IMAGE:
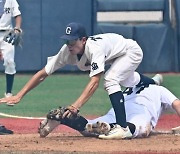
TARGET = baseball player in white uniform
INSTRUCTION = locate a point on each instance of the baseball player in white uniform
(92, 54)
(143, 106)
(8, 9)
(143, 109)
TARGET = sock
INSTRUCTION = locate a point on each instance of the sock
(78, 123)
(117, 101)
(9, 82)
(132, 127)
(144, 80)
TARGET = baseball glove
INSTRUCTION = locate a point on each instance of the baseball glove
(57, 114)
(55, 117)
(14, 37)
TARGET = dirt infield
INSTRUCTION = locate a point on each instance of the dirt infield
(65, 140)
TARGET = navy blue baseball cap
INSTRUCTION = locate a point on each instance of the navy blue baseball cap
(74, 31)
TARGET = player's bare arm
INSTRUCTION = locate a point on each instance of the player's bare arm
(1, 55)
(32, 83)
(18, 21)
(176, 106)
(86, 94)
(88, 91)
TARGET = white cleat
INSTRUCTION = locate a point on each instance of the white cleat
(158, 78)
(47, 126)
(117, 133)
(7, 95)
(98, 127)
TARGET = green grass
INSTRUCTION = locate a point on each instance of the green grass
(64, 89)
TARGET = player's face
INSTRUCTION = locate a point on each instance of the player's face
(76, 46)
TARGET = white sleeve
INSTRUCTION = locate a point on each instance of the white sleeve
(166, 96)
(97, 62)
(55, 62)
(15, 8)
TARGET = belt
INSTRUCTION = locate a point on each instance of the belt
(3, 30)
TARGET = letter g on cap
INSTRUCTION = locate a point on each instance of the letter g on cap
(68, 30)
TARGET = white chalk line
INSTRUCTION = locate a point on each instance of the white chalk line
(19, 117)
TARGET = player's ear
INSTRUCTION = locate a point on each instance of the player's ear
(84, 40)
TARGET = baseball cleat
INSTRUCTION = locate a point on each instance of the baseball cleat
(47, 126)
(7, 95)
(98, 127)
(5, 131)
(117, 132)
(158, 79)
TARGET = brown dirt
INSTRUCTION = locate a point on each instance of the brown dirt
(65, 140)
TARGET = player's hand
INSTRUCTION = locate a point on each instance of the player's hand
(10, 101)
(14, 36)
(70, 112)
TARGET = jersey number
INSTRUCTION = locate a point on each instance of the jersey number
(129, 91)
(95, 38)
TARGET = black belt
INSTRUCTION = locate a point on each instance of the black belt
(3, 30)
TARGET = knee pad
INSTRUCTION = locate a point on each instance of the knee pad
(9, 66)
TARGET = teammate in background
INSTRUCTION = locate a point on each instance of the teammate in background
(8, 9)
(143, 106)
(92, 53)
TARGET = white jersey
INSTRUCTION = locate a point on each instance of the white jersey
(154, 98)
(11, 9)
(99, 50)
(143, 107)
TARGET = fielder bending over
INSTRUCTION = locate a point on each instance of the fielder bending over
(92, 54)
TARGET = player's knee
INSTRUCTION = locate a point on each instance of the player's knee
(9, 66)
(111, 84)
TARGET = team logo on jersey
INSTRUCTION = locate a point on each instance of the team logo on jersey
(7, 10)
(94, 66)
(68, 30)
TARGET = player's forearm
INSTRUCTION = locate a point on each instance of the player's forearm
(32, 83)
(1, 56)
(18, 21)
(88, 92)
(176, 106)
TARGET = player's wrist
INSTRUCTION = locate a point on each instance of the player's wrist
(19, 96)
(75, 108)
(18, 29)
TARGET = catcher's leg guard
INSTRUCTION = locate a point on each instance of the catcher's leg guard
(47, 126)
